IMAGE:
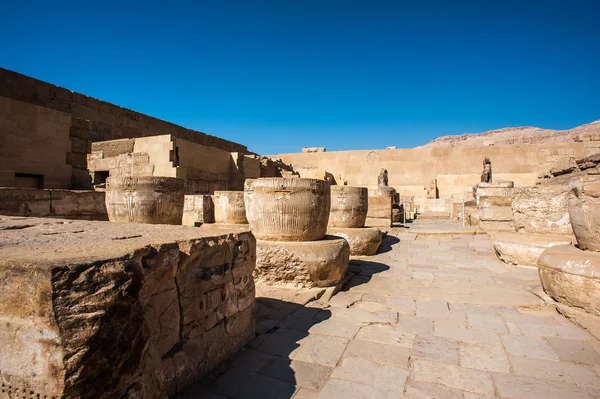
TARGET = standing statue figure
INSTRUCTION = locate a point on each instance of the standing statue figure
(382, 180)
(486, 175)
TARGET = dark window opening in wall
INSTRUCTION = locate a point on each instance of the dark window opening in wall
(29, 180)
(174, 156)
(100, 176)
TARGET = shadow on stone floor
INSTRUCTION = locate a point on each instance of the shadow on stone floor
(263, 369)
(387, 243)
(362, 271)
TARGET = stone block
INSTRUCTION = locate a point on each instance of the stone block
(117, 309)
(584, 210)
(525, 249)
(363, 241)
(488, 202)
(198, 209)
(542, 210)
(302, 264)
(572, 276)
(380, 204)
(496, 213)
(24, 202)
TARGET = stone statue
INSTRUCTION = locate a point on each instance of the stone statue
(432, 191)
(382, 180)
(486, 175)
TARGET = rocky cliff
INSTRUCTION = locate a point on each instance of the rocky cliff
(520, 135)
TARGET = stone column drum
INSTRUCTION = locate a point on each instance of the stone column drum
(145, 199)
(229, 207)
(289, 216)
(287, 209)
(349, 208)
(571, 275)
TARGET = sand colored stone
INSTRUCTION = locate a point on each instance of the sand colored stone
(229, 207)
(308, 264)
(363, 241)
(542, 210)
(349, 206)
(572, 276)
(584, 209)
(105, 309)
(525, 249)
(287, 209)
(145, 199)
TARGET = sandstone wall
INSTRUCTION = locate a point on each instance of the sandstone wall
(119, 309)
(68, 204)
(35, 143)
(455, 168)
(205, 169)
(91, 120)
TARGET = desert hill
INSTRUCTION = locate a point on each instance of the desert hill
(520, 135)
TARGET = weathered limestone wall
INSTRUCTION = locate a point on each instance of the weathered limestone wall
(68, 204)
(90, 120)
(205, 169)
(455, 168)
(119, 309)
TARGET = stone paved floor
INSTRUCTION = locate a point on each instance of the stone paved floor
(427, 318)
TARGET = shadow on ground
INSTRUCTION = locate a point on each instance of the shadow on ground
(263, 369)
(362, 272)
(387, 243)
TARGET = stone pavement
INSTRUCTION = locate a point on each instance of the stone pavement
(438, 317)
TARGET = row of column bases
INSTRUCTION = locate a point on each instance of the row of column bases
(306, 230)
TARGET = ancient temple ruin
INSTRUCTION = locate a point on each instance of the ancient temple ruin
(141, 259)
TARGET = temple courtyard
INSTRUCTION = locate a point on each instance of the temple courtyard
(433, 315)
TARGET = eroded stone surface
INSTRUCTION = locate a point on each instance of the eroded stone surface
(349, 206)
(572, 276)
(363, 241)
(93, 309)
(525, 249)
(229, 207)
(542, 210)
(145, 199)
(302, 264)
(287, 209)
(584, 209)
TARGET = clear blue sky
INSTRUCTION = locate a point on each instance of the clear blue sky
(279, 75)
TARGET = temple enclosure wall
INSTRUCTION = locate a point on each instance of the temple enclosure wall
(47, 132)
(456, 168)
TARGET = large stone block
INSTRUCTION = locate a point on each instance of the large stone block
(308, 264)
(363, 241)
(572, 276)
(380, 204)
(496, 213)
(119, 309)
(542, 210)
(584, 209)
(525, 249)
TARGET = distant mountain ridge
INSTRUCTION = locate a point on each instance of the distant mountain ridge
(520, 135)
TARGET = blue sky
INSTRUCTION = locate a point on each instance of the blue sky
(279, 75)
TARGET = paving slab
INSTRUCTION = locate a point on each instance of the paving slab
(379, 353)
(378, 375)
(453, 376)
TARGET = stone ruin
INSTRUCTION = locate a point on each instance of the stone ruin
(349, 207)
(288, 217)
(103, 309)
(140, 308)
